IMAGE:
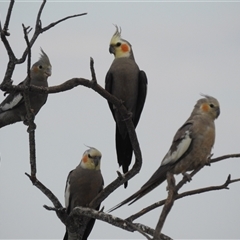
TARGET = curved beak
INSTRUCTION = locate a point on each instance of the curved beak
(96, 161)
(48, 72)
(217, 112)
(112, 49)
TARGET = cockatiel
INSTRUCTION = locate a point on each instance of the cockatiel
(83, 185)
(12, 109)
(125, 81)
(190, 149)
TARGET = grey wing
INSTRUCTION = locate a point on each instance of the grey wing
(108, 87)
(67, 192)
(180, 145)
(142, 93)
(13, 100)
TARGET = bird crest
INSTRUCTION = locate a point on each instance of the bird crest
(42, 66)
(92, 151)
(120, 47)
(44, 57)
(117, 35)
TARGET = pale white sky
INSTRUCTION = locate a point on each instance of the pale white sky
(185, 49)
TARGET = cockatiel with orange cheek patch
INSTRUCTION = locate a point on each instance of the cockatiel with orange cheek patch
(190, 149)
(125, 81)
(83, 185)
(12, 109)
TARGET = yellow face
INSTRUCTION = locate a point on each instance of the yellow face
(91, 159)
(211, 107)
(119, 47)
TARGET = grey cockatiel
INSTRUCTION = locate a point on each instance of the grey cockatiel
(83, 185)
(125, 81)
(190, 149)
(12, 109)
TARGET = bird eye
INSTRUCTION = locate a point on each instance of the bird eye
(89, 156)
(211, 105)
(40, 67)
(118, 44)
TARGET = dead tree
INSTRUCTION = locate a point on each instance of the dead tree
(77, 218)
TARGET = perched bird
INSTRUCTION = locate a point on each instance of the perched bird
(83, 185)
(12, 109)
(125, 81)
(190, 149)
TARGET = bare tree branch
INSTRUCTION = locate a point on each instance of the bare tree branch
(181, 195)
(9, 13)
(151, 231)
(77, 219)
(213, 160)
(38, 24)
(61, 20)
(167, 206)
(30, 114)
(38, 30)
(113, 220)
(61, 213)
(4, 32)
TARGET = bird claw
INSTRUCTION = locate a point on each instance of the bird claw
(32, 128)
(101, 210)
(188, 176)
(62, 210)
(120, 175)
(208, 162)
(5, 32)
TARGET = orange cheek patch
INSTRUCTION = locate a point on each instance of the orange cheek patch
(85, 159)
(125, 47)
(35, 69)
(205, 107)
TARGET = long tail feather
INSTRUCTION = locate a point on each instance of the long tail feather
(124, 151)
(157, 178)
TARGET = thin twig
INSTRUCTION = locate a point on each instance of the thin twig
(47, 192)
(94, 79)
(38, 19)
(214, 160)
(61, 20)
(7, 21)
(11, 56)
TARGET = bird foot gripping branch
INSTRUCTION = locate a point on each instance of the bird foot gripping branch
(187, 176)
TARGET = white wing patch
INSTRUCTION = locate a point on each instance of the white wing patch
(172, 157)
(67, 193)
(13, 103)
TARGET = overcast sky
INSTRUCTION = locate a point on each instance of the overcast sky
(185, 48)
